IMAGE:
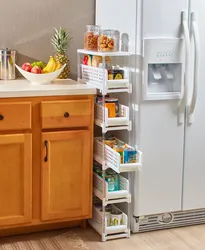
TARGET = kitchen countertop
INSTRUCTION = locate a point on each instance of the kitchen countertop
(23, 88)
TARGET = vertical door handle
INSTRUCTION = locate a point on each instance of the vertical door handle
(183, 102)
(46, 146)
(195, 33)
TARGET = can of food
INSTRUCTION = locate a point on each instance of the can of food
(120, 150)
(111, 183)
(130, 155)
(107, 215)
(115, 74)
(116, 218)
(111, 109)
(117, 183)
(116, 102)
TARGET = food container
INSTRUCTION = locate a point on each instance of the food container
(108, 211)
(116, 218)
(7, 64)
(107, 41)
(111, 110)
(116, 102)
(91, 37)
(111, 183)
(115, 74)
(130, 155)
(119, 150)
(97, 61)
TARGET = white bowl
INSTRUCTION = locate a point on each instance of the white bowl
(40, 78)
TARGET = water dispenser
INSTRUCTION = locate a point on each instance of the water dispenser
(163, 69)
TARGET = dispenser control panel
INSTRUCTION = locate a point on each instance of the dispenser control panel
(163, 68)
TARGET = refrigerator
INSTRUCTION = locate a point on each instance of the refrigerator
(166, 39)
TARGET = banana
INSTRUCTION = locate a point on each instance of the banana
(51, 66)
(57, 66)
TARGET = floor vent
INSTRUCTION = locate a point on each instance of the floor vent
(169, 220)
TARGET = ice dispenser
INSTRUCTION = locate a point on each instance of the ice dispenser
(163, 69)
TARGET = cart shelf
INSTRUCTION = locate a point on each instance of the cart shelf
(122, 195)
(111, 232)
(112, 158)
(118, 123)
(99, 78)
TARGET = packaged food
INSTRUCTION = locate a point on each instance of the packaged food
(115, 74)
(120, 150)
(116, 102)
(117, 183)
(111, 109)
(111, 183)
(97, 61)
(91, 37)
(106, 41)
(87, 60)
(116, 218)
(130, 155)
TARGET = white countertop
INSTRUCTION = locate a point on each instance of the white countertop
(23, 88)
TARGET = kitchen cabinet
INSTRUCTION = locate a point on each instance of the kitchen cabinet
(46, 150)
(15, 178)
(66, 174)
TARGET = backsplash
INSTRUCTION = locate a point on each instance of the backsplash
(27, 26)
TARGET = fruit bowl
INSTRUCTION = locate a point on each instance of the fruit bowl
(40, 78)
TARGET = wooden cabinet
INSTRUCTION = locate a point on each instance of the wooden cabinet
(66, 174)
(46, 148)
(15, 179)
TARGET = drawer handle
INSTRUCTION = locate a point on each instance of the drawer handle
(46, 145)
(66, 114)
(1, 117)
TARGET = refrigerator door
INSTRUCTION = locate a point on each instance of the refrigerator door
(194, 166)
(158, 188)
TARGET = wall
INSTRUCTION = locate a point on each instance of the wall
(27, 26)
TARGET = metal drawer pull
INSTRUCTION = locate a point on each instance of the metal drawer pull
(46, 145)
(66, 114)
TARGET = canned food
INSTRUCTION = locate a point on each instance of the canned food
(111, 183)
(116, 218)
(107, 216)
(130, 155)
(117, 183)
(120, 150)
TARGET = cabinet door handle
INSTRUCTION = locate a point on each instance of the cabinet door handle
(1, 117)
(66, 114)
(46, 145)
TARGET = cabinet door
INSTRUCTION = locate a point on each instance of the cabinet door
(15, 179)
(66, 175)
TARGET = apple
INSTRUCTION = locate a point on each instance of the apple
(27, 67)
(36, 70)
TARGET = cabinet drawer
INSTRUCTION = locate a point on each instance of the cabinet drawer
(15, 116)
(66, 114)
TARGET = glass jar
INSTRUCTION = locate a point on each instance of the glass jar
(107, 41)
(91, 37)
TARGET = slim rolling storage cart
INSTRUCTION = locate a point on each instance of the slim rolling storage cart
(104, 154)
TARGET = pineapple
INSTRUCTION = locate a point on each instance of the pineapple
(61, 42)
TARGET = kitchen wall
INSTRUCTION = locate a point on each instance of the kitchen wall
(27, 26)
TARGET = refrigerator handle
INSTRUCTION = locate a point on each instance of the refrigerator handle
(195, 34)
(183, 102)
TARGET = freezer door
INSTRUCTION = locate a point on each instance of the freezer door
(194, 167)
(158, 187)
